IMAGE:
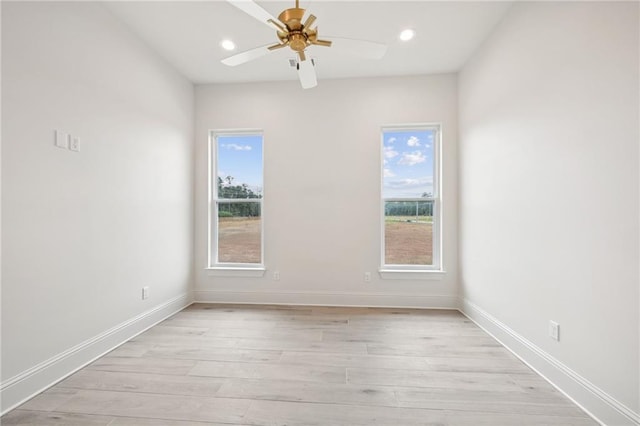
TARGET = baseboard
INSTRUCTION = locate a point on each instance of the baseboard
(597, 403)
(375, 300)
(29, 383)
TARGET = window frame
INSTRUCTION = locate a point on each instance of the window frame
(415, 271)
(214, 201)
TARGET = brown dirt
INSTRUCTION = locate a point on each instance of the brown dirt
(408, 243)
(239, 240)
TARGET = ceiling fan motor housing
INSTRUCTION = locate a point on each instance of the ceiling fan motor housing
(297, 42)
(292, 18)
(296, 38)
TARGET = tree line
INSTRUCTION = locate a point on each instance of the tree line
(410, 208)
(227, 190)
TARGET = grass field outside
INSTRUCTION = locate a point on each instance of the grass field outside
(419, 219)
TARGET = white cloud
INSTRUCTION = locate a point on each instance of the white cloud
(410, 183)
(412, 158)
(413, 141)
(389, 152)
(388, 173)
(407, 187)
(391, 140)
(429, 142)
(236, 147)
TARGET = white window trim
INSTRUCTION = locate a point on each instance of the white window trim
(235, 271)
(405, 274)
(214, 267)
(416, 272)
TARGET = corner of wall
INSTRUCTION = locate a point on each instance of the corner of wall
(20, 388)
(594, 401)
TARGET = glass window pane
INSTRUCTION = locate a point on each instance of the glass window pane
(408, 233)
(239, 232)
(408, 163)
(239, 166)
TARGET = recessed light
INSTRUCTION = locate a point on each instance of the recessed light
(407, 35)
(227, 44)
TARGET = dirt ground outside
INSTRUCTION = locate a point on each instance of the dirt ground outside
(407, 242)
(240, 240)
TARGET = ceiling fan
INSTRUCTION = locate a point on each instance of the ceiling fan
(298, 35)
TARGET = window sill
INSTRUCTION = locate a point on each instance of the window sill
(231, 271)
(408, 274)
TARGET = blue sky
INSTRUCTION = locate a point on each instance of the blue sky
(240, 156)
(407, 163)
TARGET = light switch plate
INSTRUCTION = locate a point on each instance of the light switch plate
(62, 140)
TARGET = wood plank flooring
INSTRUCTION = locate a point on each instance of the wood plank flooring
(276, 365)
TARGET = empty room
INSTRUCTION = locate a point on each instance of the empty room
(316, 212)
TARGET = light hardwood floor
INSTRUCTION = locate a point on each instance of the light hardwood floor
(276, 365)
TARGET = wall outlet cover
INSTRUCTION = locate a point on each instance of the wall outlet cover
(74, 143)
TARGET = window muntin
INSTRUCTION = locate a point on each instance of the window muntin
(236, 199)
(410, 197)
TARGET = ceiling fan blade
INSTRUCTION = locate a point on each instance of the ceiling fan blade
(247, 55)
(364, 48)
(253, 9)
(307, 74)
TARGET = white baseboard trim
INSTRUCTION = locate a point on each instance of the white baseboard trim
(597, 403)
(376, 300)
(22, 387)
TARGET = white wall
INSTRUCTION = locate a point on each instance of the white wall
(549, 195)
(83, 232)
(322, 187)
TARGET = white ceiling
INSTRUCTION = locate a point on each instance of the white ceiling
(188, 34)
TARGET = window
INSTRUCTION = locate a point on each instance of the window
(410, 198)
(235, 210)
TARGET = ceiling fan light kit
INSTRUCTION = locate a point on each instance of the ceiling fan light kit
(296, 33)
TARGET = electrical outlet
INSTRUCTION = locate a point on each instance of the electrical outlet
(145, 293)
(276, 275)
(554, 330)
(367, 277)
(74, 143)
